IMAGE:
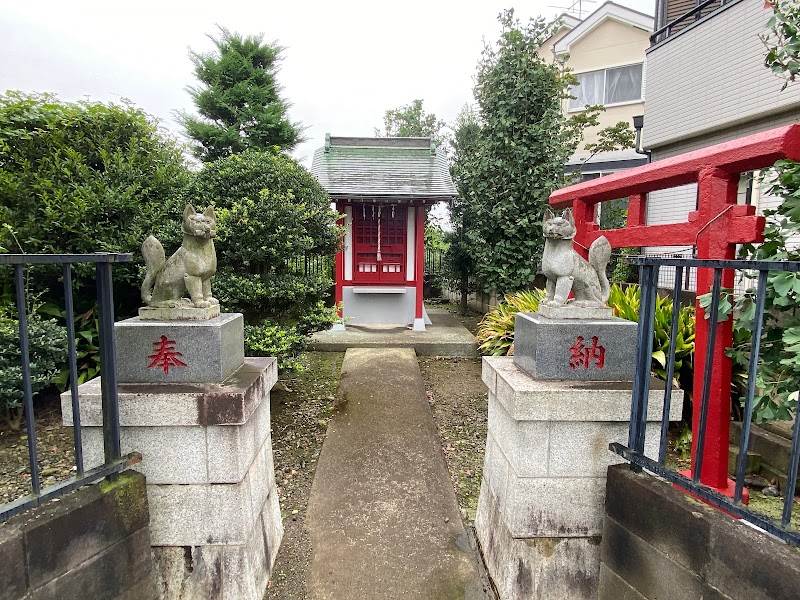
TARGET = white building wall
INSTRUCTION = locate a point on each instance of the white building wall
(711, 76)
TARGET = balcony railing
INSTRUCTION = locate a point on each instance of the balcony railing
(695, 14)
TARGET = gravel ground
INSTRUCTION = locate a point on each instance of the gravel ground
(54, 447)
(458, 400)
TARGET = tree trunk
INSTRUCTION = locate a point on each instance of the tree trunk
(464, 296)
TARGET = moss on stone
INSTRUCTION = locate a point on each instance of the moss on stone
(130, 496)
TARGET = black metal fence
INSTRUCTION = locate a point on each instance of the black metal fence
(114, 461)
(314, 266)
(433, 261)
(634, 451)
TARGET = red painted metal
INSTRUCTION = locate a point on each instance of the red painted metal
(419, 248)
(714, 229)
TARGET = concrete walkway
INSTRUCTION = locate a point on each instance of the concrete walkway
(445, 336)
(383, 516)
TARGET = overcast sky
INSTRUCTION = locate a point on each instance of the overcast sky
(345, 63)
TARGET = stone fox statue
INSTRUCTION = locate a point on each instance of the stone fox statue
(566, 270)
(188, 270)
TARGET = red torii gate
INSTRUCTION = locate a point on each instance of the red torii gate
(714, 229)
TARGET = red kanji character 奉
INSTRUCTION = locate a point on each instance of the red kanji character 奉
(582, 356)
(165, 355)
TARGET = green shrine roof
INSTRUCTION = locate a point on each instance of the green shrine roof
(363, 167)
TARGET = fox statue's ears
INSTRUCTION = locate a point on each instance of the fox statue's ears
(548, 214)
(567, 214)
(209, 213)
(188, 211)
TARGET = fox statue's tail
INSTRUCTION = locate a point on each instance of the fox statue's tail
(154, 258)
(599, 255)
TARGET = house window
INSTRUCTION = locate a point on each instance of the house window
(607, 86)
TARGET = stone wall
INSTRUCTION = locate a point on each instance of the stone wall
(92, 543)
(660, 543)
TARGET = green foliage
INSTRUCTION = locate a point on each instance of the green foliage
(613, 137)
(284, 341)
(48, 351)
(496, 329)
(83, 177)
(518, 159)
(626, 302)
(411, 120)
(683, 445)
(87, 346)
(270, 210)
(783, 41)
(435, 237)
(269, 339)
(459, 262)
(239, 102)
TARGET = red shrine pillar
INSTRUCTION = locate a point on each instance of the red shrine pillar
(419, 269)
(716, 193)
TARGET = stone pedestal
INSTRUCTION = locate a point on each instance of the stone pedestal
(576, 349)
(215, 523)
(540, 510)
(191, 351)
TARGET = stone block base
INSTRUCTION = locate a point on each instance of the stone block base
(575, 349)
(206, 449)
(541, 567)
(540, 511)
(189, 351)
(570, 311)
(225, 570)
(179, 313)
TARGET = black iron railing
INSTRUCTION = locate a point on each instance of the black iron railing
(314, 266)
(114, 461)
(433, 261)
(695, 14)
(634, 451)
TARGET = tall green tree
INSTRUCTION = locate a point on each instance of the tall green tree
(411, 120)
(239, 101)
(460, 263)
(524, 142)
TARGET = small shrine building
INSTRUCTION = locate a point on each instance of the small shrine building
(383, 187)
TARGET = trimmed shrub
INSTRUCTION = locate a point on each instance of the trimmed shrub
(83, 177)
(270, 211)
(48, 352)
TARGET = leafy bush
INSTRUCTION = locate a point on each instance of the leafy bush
(778, 369)
(48, 352)
(496, 329)
(626, 302)
(270, 210)
(83, 177)
(270, 339)
(284, 341)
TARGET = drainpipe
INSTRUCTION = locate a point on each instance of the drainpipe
(638, 124)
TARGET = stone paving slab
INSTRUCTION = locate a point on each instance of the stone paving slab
(383, 515)
(445, 336)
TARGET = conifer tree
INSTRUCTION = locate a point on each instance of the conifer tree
(239, 101)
